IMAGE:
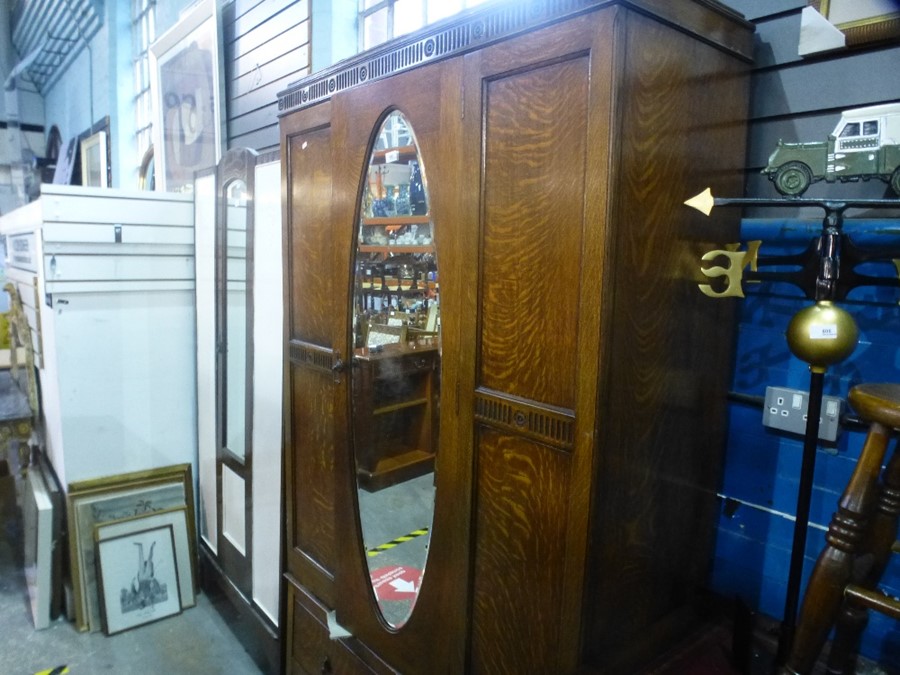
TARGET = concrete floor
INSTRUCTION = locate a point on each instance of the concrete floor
(196, 641)
(392, 517)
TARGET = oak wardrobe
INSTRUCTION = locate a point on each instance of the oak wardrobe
(505, 395)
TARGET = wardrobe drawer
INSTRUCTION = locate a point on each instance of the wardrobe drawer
(310, 649)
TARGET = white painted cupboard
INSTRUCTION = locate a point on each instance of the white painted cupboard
(107, 279)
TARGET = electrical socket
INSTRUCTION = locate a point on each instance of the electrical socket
(785, 409)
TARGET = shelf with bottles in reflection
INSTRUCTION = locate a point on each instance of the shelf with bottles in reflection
(395, 215)
(396, 269)
(396, 317)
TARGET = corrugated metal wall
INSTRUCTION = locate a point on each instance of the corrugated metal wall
(266, 48)
(800, 99)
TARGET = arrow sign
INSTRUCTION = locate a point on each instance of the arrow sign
(396, 582)
(403, 586)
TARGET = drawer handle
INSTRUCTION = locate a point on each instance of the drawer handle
(421, 363)
(326, 666)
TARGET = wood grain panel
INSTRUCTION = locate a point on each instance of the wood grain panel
(535, 131)
(682, 108)
(309, 395)
(310, 250)
(520, 530)
(312, 432)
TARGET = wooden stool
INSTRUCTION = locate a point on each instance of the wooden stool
(842, 587)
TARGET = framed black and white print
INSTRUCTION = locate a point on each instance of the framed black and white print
(178, 519)
(138, 577)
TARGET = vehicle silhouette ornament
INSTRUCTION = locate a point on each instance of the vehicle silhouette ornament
(864, 145)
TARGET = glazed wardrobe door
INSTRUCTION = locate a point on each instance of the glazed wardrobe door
(399, 211)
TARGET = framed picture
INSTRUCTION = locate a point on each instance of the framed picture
(66, 163)
(37, 521)
(176, 519)
(42, 467)
(93, 161)
(138, 578)
(185, 84)
(116, 498)
(862, 21)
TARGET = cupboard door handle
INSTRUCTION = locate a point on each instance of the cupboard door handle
(339, 366)
(326, 666)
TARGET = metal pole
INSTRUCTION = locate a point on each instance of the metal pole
(801, 524)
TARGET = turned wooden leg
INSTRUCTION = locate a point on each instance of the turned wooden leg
(872, 561)
(834, 568)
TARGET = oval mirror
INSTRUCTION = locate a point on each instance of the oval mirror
(234, 432)
(396, 370)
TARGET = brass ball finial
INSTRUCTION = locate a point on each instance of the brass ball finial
(822, 334)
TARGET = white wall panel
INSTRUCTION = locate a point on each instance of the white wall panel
(267, 387)
(205, 265)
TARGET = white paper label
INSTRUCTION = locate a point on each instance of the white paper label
(823, 331)
(391, 156)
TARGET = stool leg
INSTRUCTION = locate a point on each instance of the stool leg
(873, 560)
(834, 567)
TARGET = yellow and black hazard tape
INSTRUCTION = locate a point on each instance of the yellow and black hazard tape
(372, 552)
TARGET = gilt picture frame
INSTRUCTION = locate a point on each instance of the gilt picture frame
(861, 21)
(94, 167)
(186, 89)
(112, 498)
(138, 578)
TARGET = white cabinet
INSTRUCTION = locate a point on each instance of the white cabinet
(107, 279)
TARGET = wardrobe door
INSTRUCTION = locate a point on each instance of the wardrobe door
(310, 290)
(429, 636)
(542, 106)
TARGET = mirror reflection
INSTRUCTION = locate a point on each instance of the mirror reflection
(396, 374)
(235, 317)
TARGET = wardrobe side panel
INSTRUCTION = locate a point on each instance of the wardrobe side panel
(661, 413)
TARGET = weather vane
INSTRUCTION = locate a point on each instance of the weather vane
(821, 335)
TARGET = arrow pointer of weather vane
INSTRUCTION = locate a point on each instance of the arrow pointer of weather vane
(820, 335)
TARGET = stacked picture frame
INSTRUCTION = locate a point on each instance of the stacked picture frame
(43, 510)
(132, 548)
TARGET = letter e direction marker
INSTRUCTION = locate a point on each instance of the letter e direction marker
(826, 270)
(733, 273)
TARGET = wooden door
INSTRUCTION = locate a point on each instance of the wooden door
(543, 105)
(310, 287)
(433, 638)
